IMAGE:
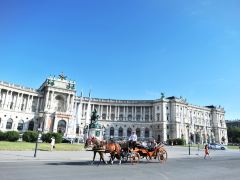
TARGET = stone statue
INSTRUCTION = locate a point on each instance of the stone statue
(62, 76)
(94, 117)
(162, 95)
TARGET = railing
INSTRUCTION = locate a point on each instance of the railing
(17, 86)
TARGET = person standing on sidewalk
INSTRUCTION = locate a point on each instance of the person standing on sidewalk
(52, 143)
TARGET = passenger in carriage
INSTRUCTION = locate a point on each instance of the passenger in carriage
(153, 145)
(132, 140)
(144, 144)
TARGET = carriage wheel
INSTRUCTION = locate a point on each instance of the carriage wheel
(125, 156)
(135, 157)
(148, 158)
(162, 155)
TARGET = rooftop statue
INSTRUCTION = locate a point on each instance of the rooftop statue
(162, 95)
(62, 76)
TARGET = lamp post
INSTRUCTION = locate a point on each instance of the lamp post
(36, 146)
(188, 140)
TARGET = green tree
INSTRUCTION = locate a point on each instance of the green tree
(234, 135)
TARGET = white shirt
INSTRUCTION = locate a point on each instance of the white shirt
(53, 142)
(133, 137)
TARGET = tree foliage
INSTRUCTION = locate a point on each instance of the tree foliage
(234, 135)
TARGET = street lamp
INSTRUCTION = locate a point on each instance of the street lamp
(36, 146)
(188, 139)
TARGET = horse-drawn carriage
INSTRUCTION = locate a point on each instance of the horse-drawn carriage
(139, 152)
(122, 151)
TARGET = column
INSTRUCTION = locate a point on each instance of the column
(5, 100)
(107, 114)
(27, 103)
(37, 107)
(118, 112)
(1, 98)
(124, 113)
(115, 109)
(72, 103)
(83, 110)
(46, 101)
(164, 118)
(135, 113)
(30, 103)
(150, 114)
(20, 102)
(88, 112)
(51, 101)
(16, 102)
(98, 110)
(144, 113)
(110, 111)
(79, 113)
(68, 99)
(141, 114)
(101, 110)
(10, 100)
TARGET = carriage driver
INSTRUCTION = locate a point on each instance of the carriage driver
(132, 140)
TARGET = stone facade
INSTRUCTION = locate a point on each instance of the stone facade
(55, 107)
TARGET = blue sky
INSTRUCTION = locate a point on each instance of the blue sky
(127, 49)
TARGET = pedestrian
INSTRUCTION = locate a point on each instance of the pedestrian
(206, 151)
(52, 143)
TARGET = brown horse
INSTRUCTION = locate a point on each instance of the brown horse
(95, 146)
(103, 147)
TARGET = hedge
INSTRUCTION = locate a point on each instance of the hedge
(2, 136)
(30, 136)
(47, 137)
(12, 136)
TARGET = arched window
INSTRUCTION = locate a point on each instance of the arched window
(61, 128)
(112, 131)
(138, 132)
(129, 132)
(20, 125)
(31, 126)
(60, 104)
(9, 124)
(120, 132)
(146, 133)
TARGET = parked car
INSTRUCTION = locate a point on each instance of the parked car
(216, 146)
(79, 139)
(67, 140)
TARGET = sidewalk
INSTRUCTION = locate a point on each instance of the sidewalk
(8, 156)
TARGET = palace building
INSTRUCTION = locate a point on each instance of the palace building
(55, 107)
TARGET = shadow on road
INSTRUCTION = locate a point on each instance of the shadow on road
(89, 163)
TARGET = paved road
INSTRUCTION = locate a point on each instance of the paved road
(223, 165)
